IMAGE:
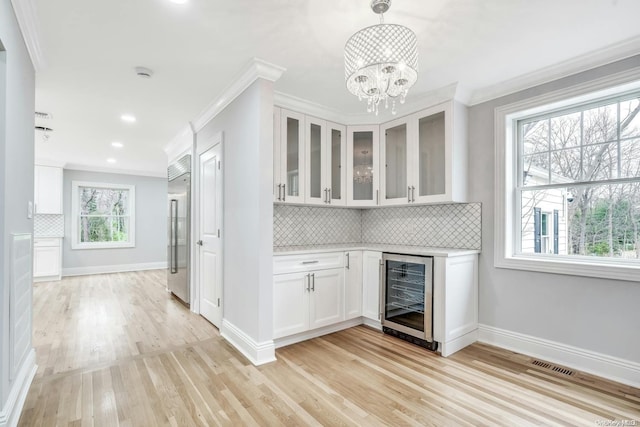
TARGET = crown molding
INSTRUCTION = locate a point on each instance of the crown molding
(256, 69)
(596, 58)
(419, 102)
(25, 11)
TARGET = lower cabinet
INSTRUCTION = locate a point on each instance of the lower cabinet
(307, 300)
(353, 285)
(47, 259)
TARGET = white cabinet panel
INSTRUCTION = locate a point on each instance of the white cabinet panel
(363, 159)
(291, 304)
(326, 303)
(47, 259)
(371, 284)
(48, 190)
(353, 285)
(290, 163)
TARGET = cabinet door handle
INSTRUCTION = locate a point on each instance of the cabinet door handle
(308, 277)
(284, 192)
(347, 260)
(326, 197)
(313, 282)
(279, 192)
(413, 194)
(310, 262)
(409, 194)
(377, 197)
(329, 198)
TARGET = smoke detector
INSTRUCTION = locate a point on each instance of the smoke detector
(144, 72)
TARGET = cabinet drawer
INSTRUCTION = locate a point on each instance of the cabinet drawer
(307, 262)
(47, 242)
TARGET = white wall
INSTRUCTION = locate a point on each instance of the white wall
(17, 105)
(247, 125)
(593, 314)
(151, 225)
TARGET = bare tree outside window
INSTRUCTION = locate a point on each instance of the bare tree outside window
(584, 164)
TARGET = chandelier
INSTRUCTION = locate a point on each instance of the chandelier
(363, 172)
(381, 61)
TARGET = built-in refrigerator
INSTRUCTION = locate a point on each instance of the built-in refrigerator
(407, 298)
(178, 240)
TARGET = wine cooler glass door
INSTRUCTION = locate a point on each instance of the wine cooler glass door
(405, 294)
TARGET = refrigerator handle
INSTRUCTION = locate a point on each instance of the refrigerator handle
(174, 236)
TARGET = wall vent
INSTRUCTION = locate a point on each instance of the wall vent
(554, 368)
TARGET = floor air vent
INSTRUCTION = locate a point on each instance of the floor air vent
(558, 369)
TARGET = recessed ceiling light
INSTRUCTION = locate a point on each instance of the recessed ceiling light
(117, 144)
(128, 118)
(111, 160)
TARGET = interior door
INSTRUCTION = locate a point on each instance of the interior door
(209, 240)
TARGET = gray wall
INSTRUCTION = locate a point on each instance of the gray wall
(247, 125)
(151, 223)
(17, 104)
(594, 314)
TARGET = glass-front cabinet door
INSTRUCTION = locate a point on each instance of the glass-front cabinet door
(395, 167)
(336, 164)
(362, 166)
(431, 173)
(290, 186)
(315, 161)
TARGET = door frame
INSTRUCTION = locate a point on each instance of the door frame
(202, 147)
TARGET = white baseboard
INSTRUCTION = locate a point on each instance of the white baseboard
(602, 365)
(257, 353)
(303, 336)
(12, 409)
(376, 324)
(100, 269)
(456, 344)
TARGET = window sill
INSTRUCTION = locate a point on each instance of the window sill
(118, 245)
(602, 268)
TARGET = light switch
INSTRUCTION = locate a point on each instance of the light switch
(30, 210)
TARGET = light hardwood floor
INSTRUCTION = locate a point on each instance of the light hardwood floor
(117, 350)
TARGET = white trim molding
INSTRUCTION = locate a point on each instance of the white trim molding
(121, 268)
(256, 69)
(12, 409)
(180, 145)
(597, 58)
(602, 365)
(102, 169)
(303, 336)
(27, 18)
(258, 353)
(505, 226)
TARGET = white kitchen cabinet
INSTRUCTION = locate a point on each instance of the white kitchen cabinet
(47, 259)
(289, 157)
(371, 262)
(423, 156)
(455, 302)
(308, 292)
(363, 158)
(48, 190)
(325, 158)
(353, 285)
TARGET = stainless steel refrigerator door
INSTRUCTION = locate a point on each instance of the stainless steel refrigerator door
(407, 298)
(178, 237)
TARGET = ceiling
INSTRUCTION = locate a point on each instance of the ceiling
(90, 49)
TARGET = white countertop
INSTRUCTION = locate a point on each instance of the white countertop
(400, 249)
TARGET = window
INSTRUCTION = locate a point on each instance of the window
(103, 215)
(569, 193)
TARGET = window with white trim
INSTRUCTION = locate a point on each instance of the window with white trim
(103, 215)
(571, 183)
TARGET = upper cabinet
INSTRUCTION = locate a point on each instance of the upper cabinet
(48, 190)
(289, 157)
(424, 157)
(363, 158)
(325, 158)
(420, 158)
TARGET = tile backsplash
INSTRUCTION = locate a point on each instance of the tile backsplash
(444, 226)
(448, 226)
(308, 225)
(48, 225)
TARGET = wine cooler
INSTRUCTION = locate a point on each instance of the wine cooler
(407, 298)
